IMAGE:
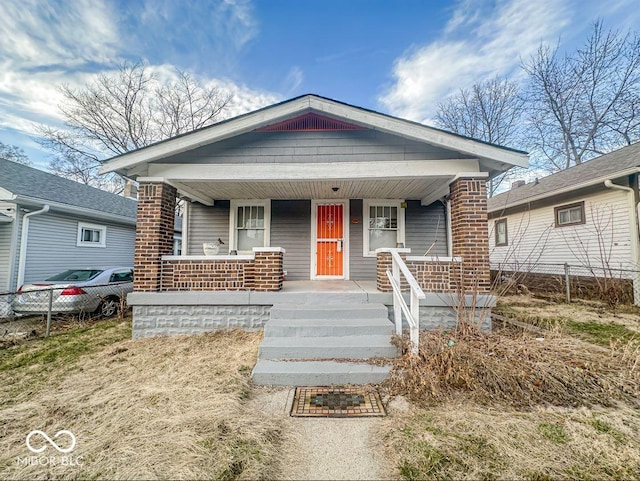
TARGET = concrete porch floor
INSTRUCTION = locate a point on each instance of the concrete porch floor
(337, 286)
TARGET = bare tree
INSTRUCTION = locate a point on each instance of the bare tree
(125, 111)
(585, 103)
(490, 110)
(14, 154)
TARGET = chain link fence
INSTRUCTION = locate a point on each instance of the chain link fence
(612, 285)
(39, 310)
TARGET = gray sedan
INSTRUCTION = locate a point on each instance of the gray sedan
(98, 291)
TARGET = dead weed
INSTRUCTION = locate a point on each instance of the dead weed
(170, 408)
(516, 369)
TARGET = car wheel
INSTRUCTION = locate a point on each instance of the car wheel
(109, 307)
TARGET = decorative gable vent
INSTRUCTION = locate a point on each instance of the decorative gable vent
(309, 122)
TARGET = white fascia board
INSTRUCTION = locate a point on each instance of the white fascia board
(71, 209)
(313, 171)
(7, 195)
(564, 190)
(251, 121)
(214, 133)
(421, 132)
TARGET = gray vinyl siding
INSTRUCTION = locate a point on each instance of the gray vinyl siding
(331, 146)
(361, 268)
(5, 255)
(207, 224)
(424, 227)
(291, 229)
(52, 246)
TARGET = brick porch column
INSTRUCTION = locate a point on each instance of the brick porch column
(384, 263)
(469, 233)
(268, 265)
(154, 233)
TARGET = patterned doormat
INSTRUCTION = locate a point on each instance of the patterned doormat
(336, 402)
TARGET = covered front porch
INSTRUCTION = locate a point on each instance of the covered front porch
(261, 243)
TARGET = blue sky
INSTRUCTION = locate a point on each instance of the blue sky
(399, 57)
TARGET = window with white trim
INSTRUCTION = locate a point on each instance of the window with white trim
(249, 224)
(383, 224)
(91, 235)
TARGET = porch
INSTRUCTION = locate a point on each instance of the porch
(195, 312)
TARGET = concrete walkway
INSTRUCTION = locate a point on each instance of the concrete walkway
(323, 448)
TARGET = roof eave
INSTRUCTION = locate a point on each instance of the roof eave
(582, 185)
(21, 199)
(263, 117)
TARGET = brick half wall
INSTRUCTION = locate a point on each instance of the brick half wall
(431, 275)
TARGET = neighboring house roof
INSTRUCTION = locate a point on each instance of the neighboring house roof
(500, 158)
(26, 184)
(619, 163)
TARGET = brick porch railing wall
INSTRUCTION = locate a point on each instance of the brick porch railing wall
(469, 234)
(260, 271)
(154, 233)
(207, 275)
(431, 275)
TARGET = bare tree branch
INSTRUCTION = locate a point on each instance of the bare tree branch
(489, 111)
(125, 111)
(585, 103)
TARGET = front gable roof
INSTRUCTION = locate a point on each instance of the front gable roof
(622, 162)
(311, 112)
(22, 183)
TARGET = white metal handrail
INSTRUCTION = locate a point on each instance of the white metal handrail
(412, 313)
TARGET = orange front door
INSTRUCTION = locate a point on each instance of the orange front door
(330, 240)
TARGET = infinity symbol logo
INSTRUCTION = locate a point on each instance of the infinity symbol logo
(50, 441)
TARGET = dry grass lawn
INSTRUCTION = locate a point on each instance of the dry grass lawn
(513, 404)
(162, 408)
(510, 404)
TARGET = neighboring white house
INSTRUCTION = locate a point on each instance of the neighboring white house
(584, 216)
(49, 224)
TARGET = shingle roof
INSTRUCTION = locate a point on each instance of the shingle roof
(607, 165)
(29, 182)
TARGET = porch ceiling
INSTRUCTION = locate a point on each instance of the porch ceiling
(418, 188)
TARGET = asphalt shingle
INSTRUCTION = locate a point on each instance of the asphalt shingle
(607, 165)
(29, 182)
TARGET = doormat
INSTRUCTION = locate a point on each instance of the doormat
(336, 402)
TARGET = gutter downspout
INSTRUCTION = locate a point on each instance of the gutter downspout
(23, 243)
(633, 226)
(185, 228)
(447, 205)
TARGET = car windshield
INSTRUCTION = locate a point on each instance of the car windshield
(75, 275)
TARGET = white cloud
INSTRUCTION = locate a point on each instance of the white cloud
(46, 44)
(495, 38)
(293, 80)
(37, 34)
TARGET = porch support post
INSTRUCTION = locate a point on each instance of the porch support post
(154, 233)
(469, 234)
(268, 265)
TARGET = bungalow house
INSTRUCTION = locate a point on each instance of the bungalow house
(585, 216)
(304, 201)
(49, 224)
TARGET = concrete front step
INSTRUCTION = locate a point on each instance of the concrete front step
(327, 347)
(380, 326)
(329, 311)
(316, 373)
